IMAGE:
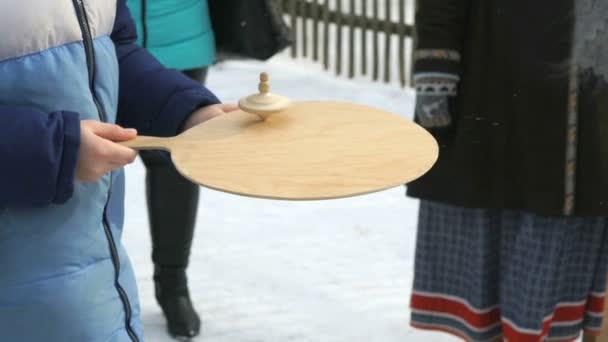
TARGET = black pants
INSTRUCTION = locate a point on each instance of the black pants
(172, 204)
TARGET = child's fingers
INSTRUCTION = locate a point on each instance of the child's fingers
(120, 155)
(228, 107)
(112, 132)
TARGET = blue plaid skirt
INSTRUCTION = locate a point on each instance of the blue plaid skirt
(485, 274)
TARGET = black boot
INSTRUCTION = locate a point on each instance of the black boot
(172, 206)
(172, 295)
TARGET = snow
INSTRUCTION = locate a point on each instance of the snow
(264, 270)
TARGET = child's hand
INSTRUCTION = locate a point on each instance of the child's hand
(207, 113)
(99, 154)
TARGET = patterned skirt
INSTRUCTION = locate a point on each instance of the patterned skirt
(487, 275)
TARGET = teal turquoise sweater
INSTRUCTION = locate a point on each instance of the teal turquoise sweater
(177, 32)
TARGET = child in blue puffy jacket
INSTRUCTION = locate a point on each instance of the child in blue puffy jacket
(71, 77)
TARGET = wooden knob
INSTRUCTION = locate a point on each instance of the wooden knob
(264, 77)
(264, 86)
(264, 103)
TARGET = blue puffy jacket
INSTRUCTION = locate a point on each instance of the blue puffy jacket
(64, 275)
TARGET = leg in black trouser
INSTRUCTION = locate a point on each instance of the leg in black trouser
(172, 207)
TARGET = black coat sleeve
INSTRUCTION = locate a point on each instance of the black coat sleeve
(440, 33)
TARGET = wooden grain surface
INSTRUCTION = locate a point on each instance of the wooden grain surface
(314, 150)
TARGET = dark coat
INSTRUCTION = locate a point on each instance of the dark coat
(513, 117)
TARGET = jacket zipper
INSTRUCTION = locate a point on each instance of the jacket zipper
(144, 23)
(90, 58)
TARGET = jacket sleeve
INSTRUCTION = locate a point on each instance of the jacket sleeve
(440, 30)
(39, 152)
(153, 99)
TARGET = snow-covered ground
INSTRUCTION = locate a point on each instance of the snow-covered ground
(271, 271)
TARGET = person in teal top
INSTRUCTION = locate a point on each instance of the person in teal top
(179, 34)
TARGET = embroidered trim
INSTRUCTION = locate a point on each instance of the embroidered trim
(444, 75)
(476, 323)
(571, 143)
(436, 87)
(442, 54)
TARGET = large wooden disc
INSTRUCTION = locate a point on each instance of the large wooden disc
(313, 150)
